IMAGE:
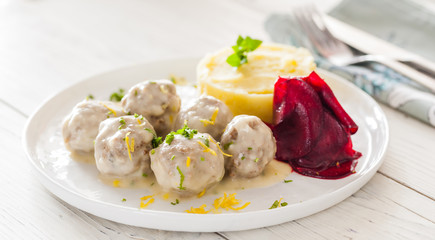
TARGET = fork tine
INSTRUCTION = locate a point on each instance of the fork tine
(312, 22)
(318, 19)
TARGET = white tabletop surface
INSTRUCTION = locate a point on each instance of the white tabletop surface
(47, 45)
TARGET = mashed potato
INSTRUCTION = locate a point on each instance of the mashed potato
(249, 88)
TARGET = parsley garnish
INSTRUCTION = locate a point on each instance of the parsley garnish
(256, 159)
(156, 140)
(249, 148)
(122, 121)
(181, 179)
(185, 131)
(117, 96)
(153, 151)
(172, 158)
(124, 199)
(144, 175)
(241, 49)
(275, 204)
(176, 202)
(169, 138)
(243, 157)
(287, 181)
(283, 204)
(202, 159)
(227, 145)
(90, 96)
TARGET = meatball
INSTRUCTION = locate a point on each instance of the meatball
(80, 127)
(251, 144)
(206, 114)
(122, 146)
(157, 101)
(188, 166)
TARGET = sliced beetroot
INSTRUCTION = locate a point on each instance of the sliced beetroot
(311, 128)
(303, 111)
(329, 100)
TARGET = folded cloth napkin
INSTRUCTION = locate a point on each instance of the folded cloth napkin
(382, 83)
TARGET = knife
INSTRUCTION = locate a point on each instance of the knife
(409, 64)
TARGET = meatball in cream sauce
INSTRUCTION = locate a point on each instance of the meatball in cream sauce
(80, 127)
(188, 164)
(122, 146)
(206, 114)
(251, 144)
(157, 101)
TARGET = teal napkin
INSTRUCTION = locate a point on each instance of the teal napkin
(382, 83)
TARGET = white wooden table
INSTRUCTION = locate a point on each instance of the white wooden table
(47, 45)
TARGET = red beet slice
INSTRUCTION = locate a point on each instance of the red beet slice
(311, 128)
(302, 111)
(329, 99)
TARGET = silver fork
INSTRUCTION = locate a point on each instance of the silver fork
(338, 53)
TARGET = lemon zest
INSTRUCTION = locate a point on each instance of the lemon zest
(207, 149)
(212, 119)
(116, 183)
(132, 145)
(188, 162)
(199, 210)
(166, 196)
(228, 201)
(219, 147)
(138, 121)
(145, 204)
(128, 145)
(163, 89)
(171, 119)
(110, 109)
(201, 193)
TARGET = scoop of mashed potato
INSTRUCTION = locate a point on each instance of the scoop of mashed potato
(248, 89)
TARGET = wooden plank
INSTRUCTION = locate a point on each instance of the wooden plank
(410, 156)
(29, 211)
(383, 209)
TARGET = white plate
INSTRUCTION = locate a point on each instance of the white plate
(77, 183)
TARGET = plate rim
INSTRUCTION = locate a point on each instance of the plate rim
(56, 188)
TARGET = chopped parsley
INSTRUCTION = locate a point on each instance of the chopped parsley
(181, 179)
(287, 181)
(117, 96)
(176, 202)
(275, 204)
(153, 151)
(241, 49)
(249, 148)
(243, 158)
(122, 121)
(278, 203)
(202, 159)
(90, 96)
(169, 138)
(185, 131)
(144, 175)
(207, 142)
(124, 200)
(256, 159)
(156, 140)
(227, 145)
(172, 158)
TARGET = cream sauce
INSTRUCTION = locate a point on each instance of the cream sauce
(273, 173)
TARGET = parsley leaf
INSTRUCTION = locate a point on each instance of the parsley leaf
(117, 96)
(241, 49)
(275, 204)
(185, 131)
